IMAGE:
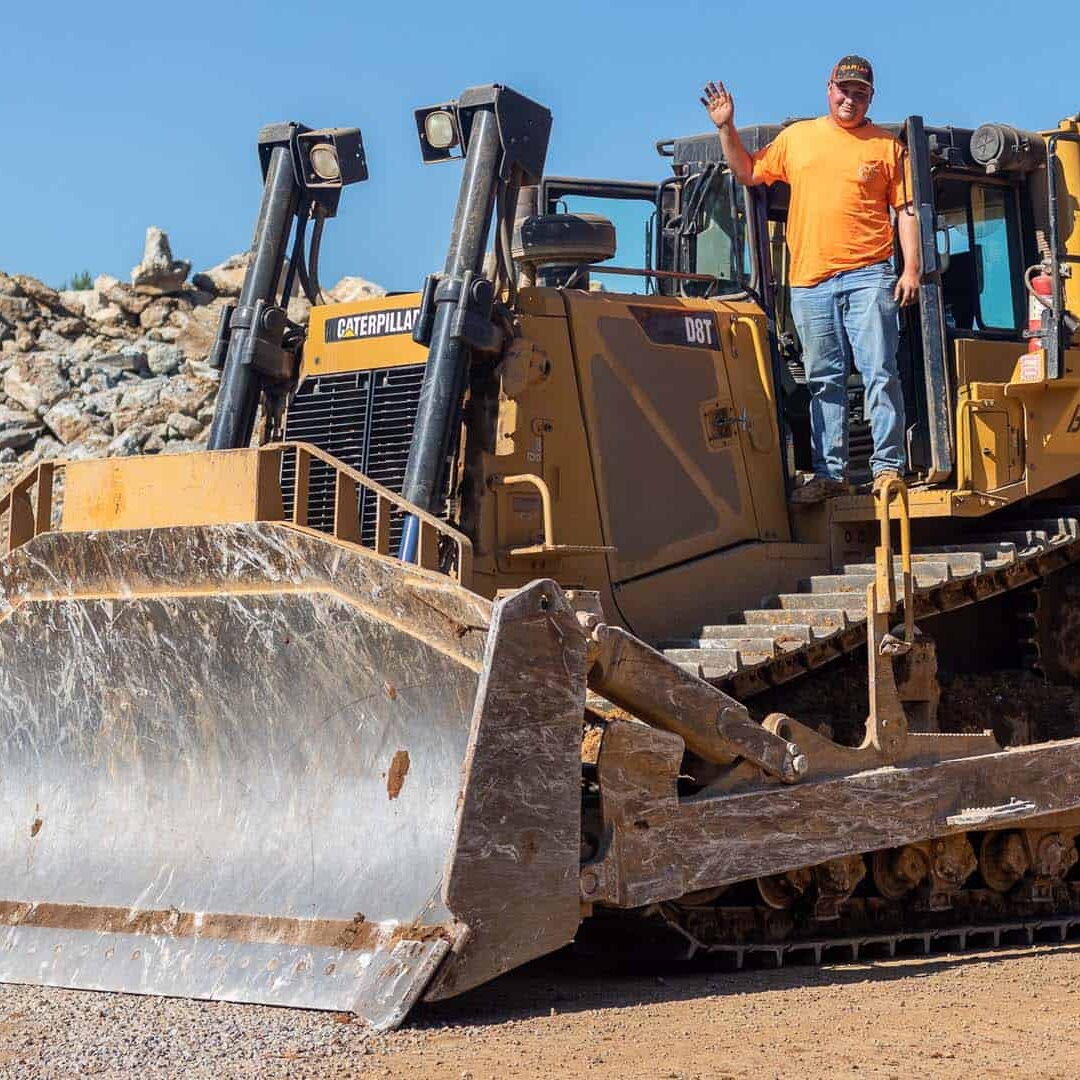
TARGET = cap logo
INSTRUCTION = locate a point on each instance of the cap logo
(853, 69)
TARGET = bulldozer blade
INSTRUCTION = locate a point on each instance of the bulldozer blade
(231, 767)
(512, 875)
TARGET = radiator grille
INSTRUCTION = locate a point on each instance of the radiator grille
(366, 420)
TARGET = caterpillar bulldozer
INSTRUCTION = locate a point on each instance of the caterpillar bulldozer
(503, 621)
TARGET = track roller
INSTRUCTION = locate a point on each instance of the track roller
(781, 891)
(836, 880)
(896, 871)
(1003, 860)
(832, 883)
(952, 862)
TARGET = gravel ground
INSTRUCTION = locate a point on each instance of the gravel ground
(1014, 1013)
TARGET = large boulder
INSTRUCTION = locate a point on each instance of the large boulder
(45, 448)
(17, 308)
(103, 403)
(9, 286)
(157, 312)
(196, 329)
(163, 359)
(131, 357)
(159, 272)
(130, 441)
(349, 289)
(185, 427)
(140, 404)
(226, 278)
(106, 315)
(40, 292)
(92, 445)
(18, 429)
(186, 394)
(69, 421)
(70, 326)
(36, 381)
(75, 300)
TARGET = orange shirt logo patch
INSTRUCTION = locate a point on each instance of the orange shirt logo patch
(868, 170)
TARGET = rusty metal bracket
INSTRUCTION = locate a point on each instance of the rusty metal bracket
(884, 571)
(886, 722)
(28, 506)
(917, 682)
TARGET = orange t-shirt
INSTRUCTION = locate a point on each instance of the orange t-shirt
(843, 182)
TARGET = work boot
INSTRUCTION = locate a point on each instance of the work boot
(818, 489)
(882, 477)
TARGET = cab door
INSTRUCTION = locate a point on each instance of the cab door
(665, 429)
(670, 387)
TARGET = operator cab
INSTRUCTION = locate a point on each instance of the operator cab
(700, 234)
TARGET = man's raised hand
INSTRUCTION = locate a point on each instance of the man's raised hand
(719, 104)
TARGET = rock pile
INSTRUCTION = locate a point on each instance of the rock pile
(119, 368)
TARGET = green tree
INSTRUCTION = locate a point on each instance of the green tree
(79, 282)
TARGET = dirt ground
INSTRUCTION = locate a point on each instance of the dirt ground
(1014, 1013)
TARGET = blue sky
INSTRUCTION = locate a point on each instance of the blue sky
(121, 115)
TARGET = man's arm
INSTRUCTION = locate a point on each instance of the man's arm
(720, 106)
(907, 288)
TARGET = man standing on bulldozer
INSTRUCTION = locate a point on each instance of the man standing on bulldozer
(846, 174)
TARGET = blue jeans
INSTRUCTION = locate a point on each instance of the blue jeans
(851, 315)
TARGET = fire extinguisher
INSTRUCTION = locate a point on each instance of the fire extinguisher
(1040, 289)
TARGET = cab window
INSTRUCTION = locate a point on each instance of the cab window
(995, 257)
(720, 247)
(978, 240)
(630, 206)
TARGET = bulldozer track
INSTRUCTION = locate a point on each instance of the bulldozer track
(1019, 934)
(801, 632)
(826, 618)
(861, 935)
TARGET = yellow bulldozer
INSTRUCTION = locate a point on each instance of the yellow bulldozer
(503, 621)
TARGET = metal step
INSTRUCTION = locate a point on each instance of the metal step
(852, 604)
(818, 619)
(994, 552)
(925, 575)
(836, 583)
(782, 634)
(759, 643)
(832, 605)
(725, 658)
(713, 663)
(959, 563)
(1027, 541)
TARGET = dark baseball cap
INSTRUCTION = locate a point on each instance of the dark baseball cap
(853, 69)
